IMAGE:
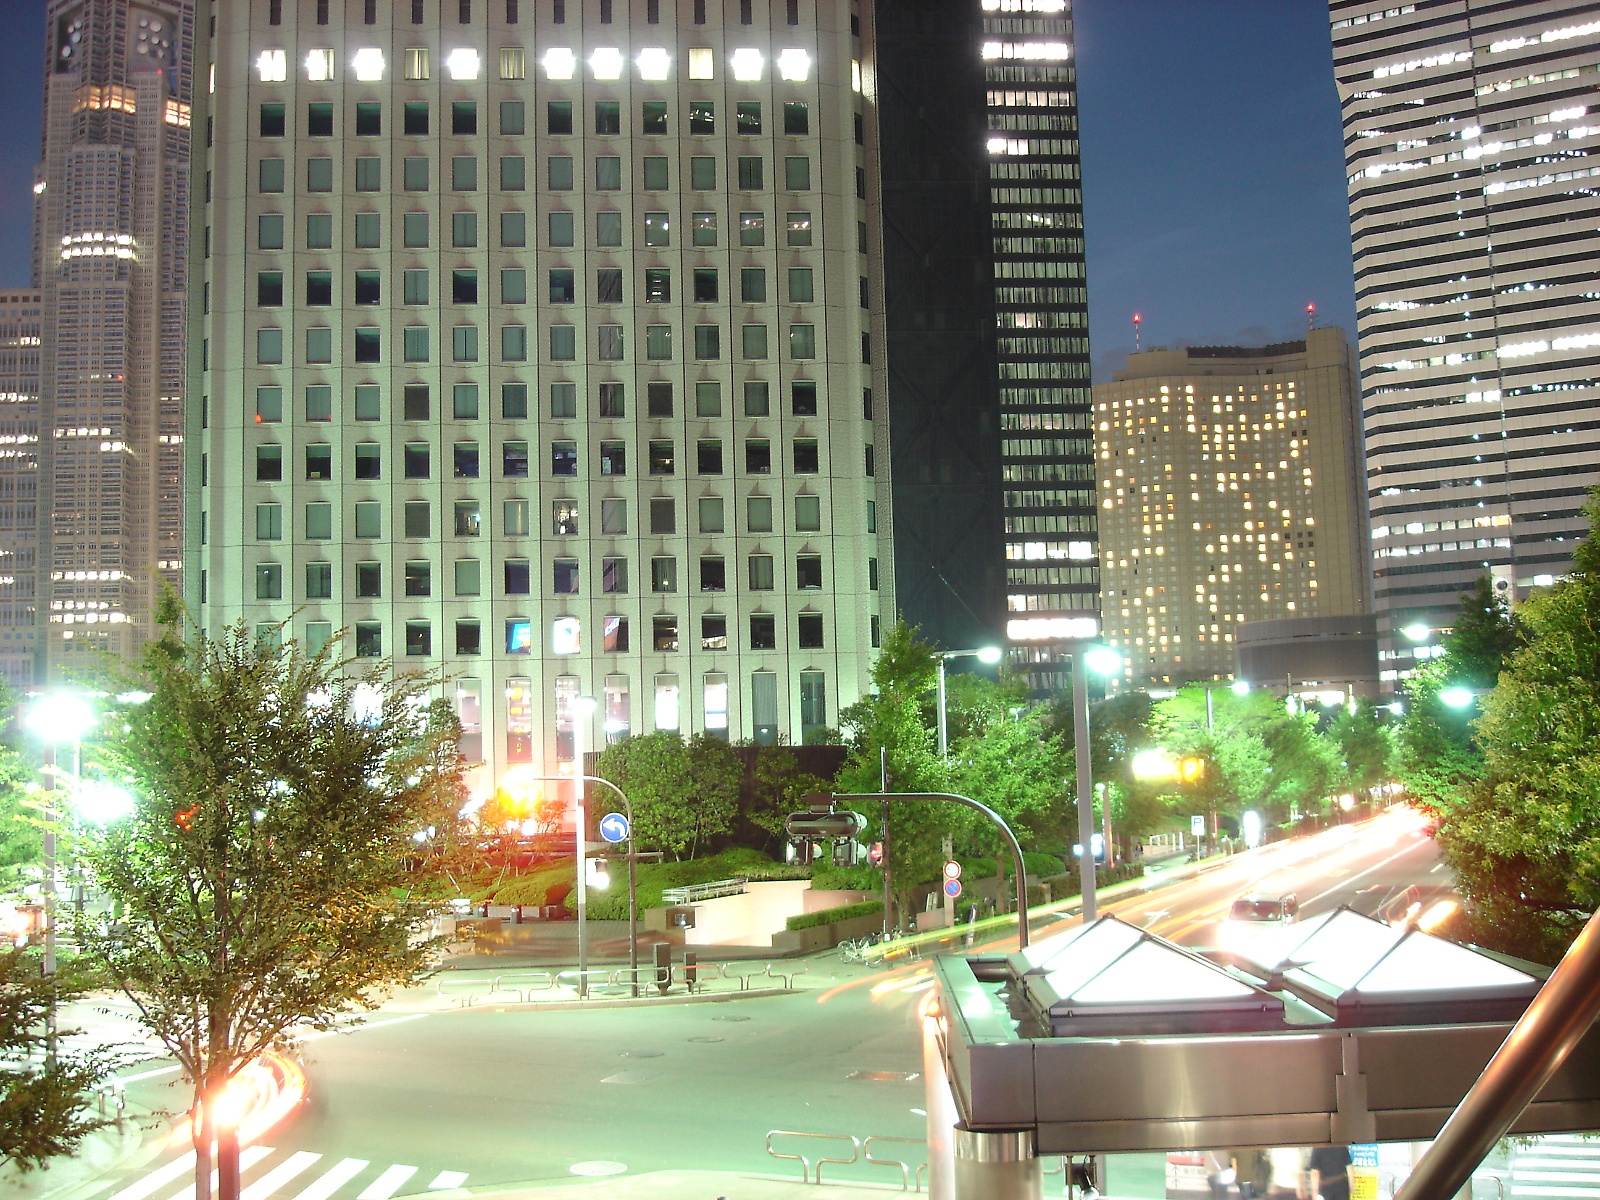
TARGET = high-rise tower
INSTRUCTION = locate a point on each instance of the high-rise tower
(1473, 150)
(538, 350)
(111, 228)
(20, 323)
(993, 456)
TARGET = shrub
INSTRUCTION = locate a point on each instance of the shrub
(832, 916)
(1040, 865)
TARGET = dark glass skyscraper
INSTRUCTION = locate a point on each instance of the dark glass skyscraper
(993, 457)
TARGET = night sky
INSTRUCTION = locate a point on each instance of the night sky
(1212, 161)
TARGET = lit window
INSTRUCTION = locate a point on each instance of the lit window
(462, 63)
(794, 65)
(560, 62)
(701, 64)
(746, 65)
(855, 75)
(654, 64)
(368, 64)
(273, 66)
(417, 62)
(606, 63)
(513, 63)
(319, 66)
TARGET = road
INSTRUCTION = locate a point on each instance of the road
(492, 1097)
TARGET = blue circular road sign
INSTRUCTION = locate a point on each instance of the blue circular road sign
(952, 888)
(614, 827)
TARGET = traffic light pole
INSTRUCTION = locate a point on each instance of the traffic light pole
(995, 818)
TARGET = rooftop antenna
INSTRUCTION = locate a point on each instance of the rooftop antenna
(1311, 317)
(1137, 321)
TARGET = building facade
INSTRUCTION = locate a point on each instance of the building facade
(111, 224)
(1472, 156)
(537, 350)
(21, 314)
(1231, 491)
(993, 457)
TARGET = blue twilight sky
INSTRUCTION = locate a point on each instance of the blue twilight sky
(1212, 161)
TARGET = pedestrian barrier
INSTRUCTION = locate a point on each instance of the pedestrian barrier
(751, 970)
(525, 983)
(807, 1175)
(465, 989)
(111, 1095)
(785, 974)
(909, 1180)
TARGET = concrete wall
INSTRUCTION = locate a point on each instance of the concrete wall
(754, 916)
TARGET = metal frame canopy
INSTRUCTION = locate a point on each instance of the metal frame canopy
(1107, 1038)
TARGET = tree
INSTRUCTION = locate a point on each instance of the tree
(44, 1103)
(277, 803)
(683, 793)
(1366, 746)
(777, 783)
(1524, 837)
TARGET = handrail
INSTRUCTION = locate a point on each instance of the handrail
(689, 893)
(805, 1163)
(905, 1168)
(788, 976)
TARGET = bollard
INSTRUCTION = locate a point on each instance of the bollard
(516, 914)
(663, 966)
(996, 1166)
(691, 971)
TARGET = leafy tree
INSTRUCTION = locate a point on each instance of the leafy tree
(1524, 839)
(777, 784)
(1366, 746)
(276, 801)
(684, 794)
(1436, 755)
(44, 1095)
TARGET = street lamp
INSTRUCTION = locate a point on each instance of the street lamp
(1457, 697)
(55, 718)
(989, 655)
(582, 709)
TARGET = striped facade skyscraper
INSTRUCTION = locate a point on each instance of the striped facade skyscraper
(1472, 134)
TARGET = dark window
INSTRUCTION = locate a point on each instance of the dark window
(416, 402)
(369, 634)
(563, 458)
(563, 286)
(613, 402)
(705, 285)
(419, 579)
(763, 632)
(653, 118)
(319, 119)
(753, 285)
(663, 515)
(809, 628)
(464, 287)
(803, 399)
(416, 118)
(658, 400)
(558, 116)
(758, 456)
(272, 120)
(464, 117)
(658, 285)
(269, 464)
(796, 118)
(702, 116)
(369, 119)
(708, 456)
(746, 16)
(319, 462)
(269, 289)
(517, 577)
(664, 634)
(751, 176)
(566, 577)
(418, 519)
(607, 116)
(469, 637)
(808, 571)
(613, 458)
(747, 117)
(464, 460)
(369, 580)
(319, 581)
(514, 460)
(368, 287)
(608, 285)
(418, 460)
(369, 461)
(806, 457)
(663, 460)
(368, 346)
(713, 574)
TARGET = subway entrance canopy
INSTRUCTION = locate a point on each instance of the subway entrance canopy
(1336, 1030)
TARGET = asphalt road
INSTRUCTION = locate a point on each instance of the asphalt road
(487, 1097)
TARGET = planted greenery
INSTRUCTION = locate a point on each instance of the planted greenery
(832, 916)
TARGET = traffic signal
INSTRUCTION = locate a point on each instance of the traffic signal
(824, 826)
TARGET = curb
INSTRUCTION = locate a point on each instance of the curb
(626, 1001)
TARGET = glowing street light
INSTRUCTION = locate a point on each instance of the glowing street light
(1457, 697)
(1417, 632)
(989, 655)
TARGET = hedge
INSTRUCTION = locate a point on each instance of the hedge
(832, 916)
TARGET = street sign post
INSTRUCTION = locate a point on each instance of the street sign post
(952, 869)
(952, 888)
(614, 827)
(1197, 825)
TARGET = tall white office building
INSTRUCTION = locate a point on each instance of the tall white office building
(535, 348)
(1472, 134)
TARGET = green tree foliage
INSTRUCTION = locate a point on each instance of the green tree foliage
(777, 783)
(1524, 838)
(1365, 742)
(44, 1098)
(276, 799)
(684, 794)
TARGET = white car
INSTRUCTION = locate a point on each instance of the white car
(1252, 916)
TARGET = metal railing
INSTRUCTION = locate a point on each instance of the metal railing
(861, 1151)
(704, 891)
(520, 986)
(807, 1175)
(911, 1179)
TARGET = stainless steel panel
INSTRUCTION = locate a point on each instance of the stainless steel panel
(1108, 1137)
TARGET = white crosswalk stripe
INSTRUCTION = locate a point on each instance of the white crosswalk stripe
(1557, 1167)
(268, 1175)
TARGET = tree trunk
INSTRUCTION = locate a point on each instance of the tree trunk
(200, 1124)
(227, 1161)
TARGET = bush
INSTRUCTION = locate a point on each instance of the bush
(655, 878)
(825, 877)
(832, 916)
(1041, 866)
(1105, 876)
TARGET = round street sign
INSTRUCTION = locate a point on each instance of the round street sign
(952, 869)
(614, 827)
(952, 888)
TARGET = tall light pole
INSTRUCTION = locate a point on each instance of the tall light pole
(582, 710)
(56, 718)
(987, 654)
(1102, 660)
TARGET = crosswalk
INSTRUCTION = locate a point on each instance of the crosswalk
(1556, 1167)
(302, 1175)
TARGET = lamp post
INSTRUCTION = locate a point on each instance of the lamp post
(56, 718)
(987, 654)
(583, 709)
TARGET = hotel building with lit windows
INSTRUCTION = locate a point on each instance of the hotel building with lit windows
(534, 346)
(21, 315)
(988, 346)
(1231, 490)
(1473, 148)
(111, 226)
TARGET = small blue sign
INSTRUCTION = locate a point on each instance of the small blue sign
(1364, 1156)
(952, 888)
(614, 827)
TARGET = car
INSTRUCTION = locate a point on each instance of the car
(1253, 914)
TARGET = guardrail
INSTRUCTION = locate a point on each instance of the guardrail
(112, 1095)
(520, 986)
(704, 891)
(806, 1173)
(910, 1180)
(861, 1150)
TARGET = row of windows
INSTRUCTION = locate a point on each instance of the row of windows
(661, 457)
(561, 229)
(467, 515)
(366, 286)
(655, 175)
(557, 9)
(615, 638)
(416, 577)
(417, 401)
(416, 120)
(417, 344)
